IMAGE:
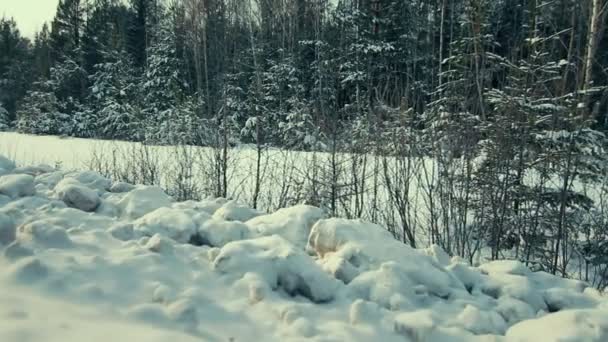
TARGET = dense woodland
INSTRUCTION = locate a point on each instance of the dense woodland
(507, 99)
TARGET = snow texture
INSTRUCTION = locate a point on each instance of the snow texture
(76, 195)
(6, 165)
(142, 201)
(15, 185)
(88, 260)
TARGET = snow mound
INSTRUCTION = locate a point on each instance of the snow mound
(76, 248)
(171, 223)
(16, 250)
(28, 270)
(293, 224)
(34, 171)
(570, 325)
(143, 200)
(217, 233)
(6, 165)
(50, 179)
(159, 244)
(76, 195)
(91, 180)
(370, 250)
(43, 233)
(234, 211)
(122, 231)
(15, 186)
(505, 267)
(280, 264)
(209, 206)
(120, 187)
(7, 229)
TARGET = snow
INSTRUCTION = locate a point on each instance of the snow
(17, 185)
(371, 249)
(218, 233)
(505, 266)
(7, 229)
(50, 179)
(143, 200)
(234, 211)
(175, 224)
(121, 187)
(569, 325)
(293, 224)
(92, 180)
(43, 234)
(6, 165)
(141, 266)
(279, 264)
(33, 170)
(76, 195)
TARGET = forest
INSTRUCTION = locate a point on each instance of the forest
(499, 107)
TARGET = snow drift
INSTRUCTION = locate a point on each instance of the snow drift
(89, 259)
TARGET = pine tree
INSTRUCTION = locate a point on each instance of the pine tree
(69, 82)
(169, 111)
(105, 30)
(67, 72)
(66, 29)
(40, 112)
(42, 54)
(296, 126)
(145, 17)
(4, 119)
(113, 98)
(15, 65)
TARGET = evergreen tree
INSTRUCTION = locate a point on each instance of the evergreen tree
(99, 32)
(15, 65)
(4, 119)
(68, 79)
(42, 54)
(113, 99)
(289, 118)
(140, 32)
(40, 112)
(67, 71)
(169, 111)
(66, 29)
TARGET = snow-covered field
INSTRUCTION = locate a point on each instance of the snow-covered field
(78, 154)
(281, 171)
(86, 259)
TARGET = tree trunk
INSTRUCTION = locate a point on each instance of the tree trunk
(596, 26)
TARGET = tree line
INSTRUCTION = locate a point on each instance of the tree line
(491, 113)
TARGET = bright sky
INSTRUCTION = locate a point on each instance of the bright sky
(29, 14)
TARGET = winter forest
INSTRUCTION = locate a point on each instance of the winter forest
(476, 125)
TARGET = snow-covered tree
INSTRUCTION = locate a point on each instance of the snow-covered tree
(114, 99)
(4, 119)
(15, 65)
(167, 108)
(40, 113)
(68, 81)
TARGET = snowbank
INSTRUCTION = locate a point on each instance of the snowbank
(567, 325)
(88, 259)
(171, 223)
(366, 249)
(280, 264)
(6, 165)
(143, 200)
(17, 185)
(77, 195)
(293, 224)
